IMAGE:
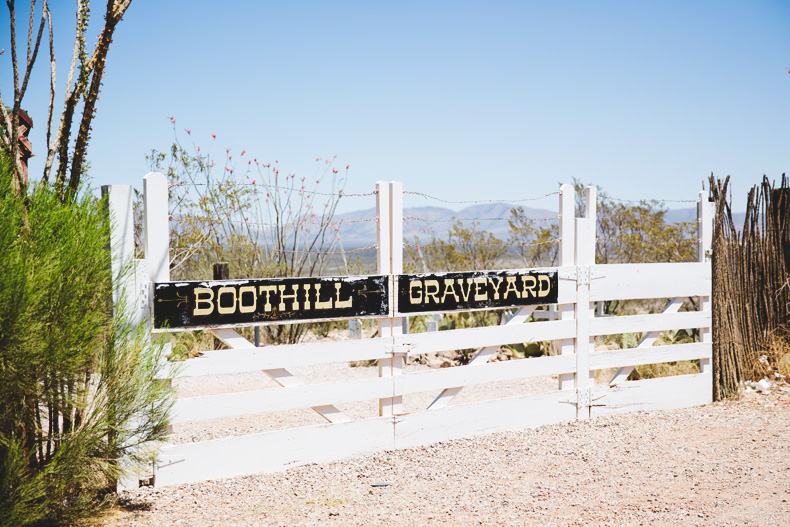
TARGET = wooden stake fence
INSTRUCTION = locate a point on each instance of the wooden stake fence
(751, 282)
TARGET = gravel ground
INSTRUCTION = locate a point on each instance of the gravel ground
(723, 464)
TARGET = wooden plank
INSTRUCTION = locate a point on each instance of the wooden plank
(469, 420)
(680, 391)
(278, 399)
(271, 451)
(648, 340)
(649, 280)
(284, 356)
(292, 396)
(650, 355)
(232, 339)
(654, 322)
(486, 336)
(481, 356)
(469, 375)
(279, 375)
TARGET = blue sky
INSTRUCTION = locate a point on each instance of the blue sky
(462, 100)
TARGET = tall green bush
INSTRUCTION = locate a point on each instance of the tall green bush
(78, 392)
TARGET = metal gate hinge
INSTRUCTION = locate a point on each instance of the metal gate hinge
(585, 399)
(583, 275)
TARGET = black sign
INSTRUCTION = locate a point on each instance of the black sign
(220, 302)
(420, 293)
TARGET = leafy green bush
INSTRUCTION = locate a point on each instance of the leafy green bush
(77, 384)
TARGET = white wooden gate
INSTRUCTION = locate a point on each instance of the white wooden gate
(581, 284)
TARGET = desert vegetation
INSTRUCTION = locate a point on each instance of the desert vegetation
(79, 401)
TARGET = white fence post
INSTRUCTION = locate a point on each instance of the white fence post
(156, 232)
(119, 204)
(567, 257)
(706, 211)
(157, 226)
(387, 367)
(585, 260)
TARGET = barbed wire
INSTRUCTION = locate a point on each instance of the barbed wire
(275, 250)
(536, 244)
(281, 224)
(505, 246)
(428, 196)
(471, 219)
(339, 194)
(649, 200)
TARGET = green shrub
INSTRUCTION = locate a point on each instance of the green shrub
(77, 386)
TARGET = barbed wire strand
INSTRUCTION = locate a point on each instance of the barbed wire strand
(428, 196)
(284, 224)
(339, 194)
(506, 246)
(472, 219)
(649, 200)
(273, 250)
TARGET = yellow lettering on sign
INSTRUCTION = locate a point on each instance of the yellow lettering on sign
(203, 297)
(322, 304)
(340, 304)
(225, 291)
(415, 284)
(480, 289)
(432, 291)
(290, 297)
(465, 294)
(511, 287)
(306, 288)
(496, 285)
(526, 289)
(449, 289)
(267, 291)
(247, 308)
(541, 280)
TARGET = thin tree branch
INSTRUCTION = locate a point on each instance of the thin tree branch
(62, 127)
(51, 109)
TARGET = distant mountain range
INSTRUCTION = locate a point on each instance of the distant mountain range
(427, 222)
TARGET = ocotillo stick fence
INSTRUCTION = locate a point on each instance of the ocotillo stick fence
(572, 288)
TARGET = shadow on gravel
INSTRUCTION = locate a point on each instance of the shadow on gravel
(133, 505)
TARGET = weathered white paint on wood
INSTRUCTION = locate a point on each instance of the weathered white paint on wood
(486, 336)
(706, 212)
(279, 375)
(567, 258)
(285, 356)
(580, 283)
(119, 201)
(481, 356)
(650, 355)
(649, 280)
(681, 391)
(487, 417)
(272, 451)
(293, 396)
(584, 313)
(156, 226)
(648, 340)
(653, 322)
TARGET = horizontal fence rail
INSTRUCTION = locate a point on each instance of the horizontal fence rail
(566, 316)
